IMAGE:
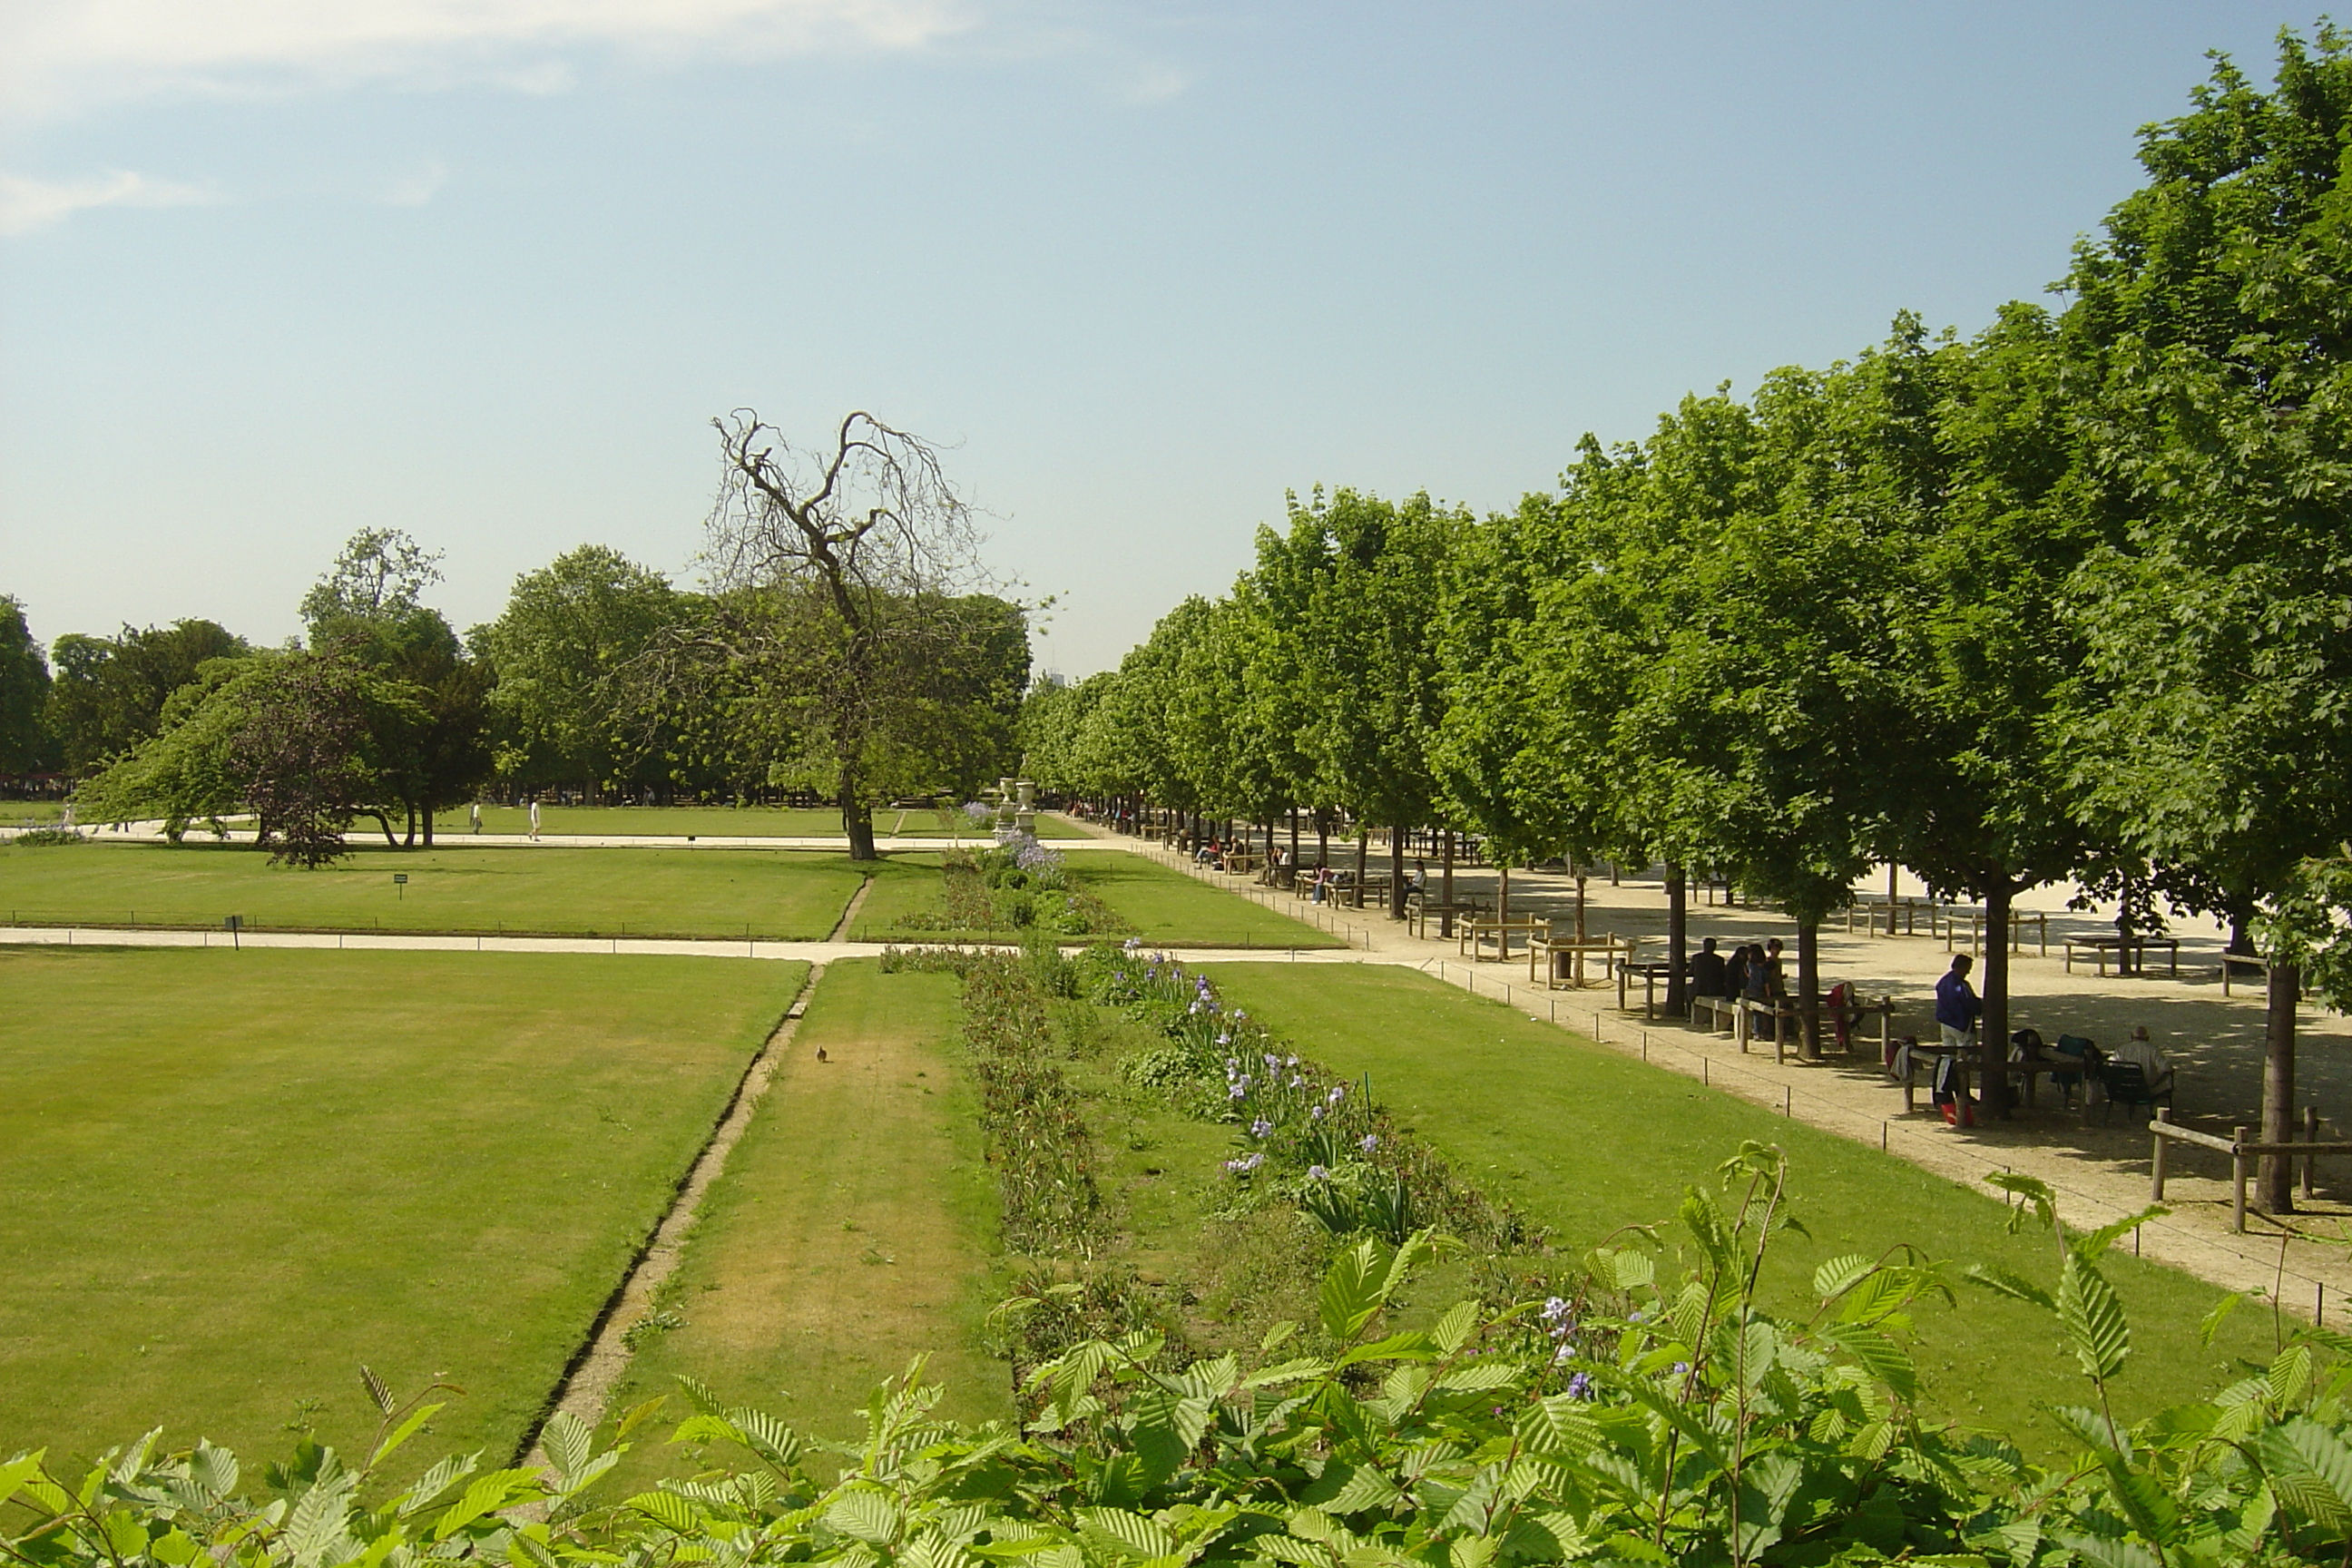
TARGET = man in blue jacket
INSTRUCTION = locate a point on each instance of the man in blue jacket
(1957, 1004)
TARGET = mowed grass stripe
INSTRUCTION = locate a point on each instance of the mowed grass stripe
(232, 1178)
(1164, 907)
(1588, 1142)
(854, 1228)
(780, 895)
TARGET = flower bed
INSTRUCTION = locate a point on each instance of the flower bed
(1309, 1136)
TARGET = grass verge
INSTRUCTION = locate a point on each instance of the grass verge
(853, 1228)
(1587, 1141)
(232, 1178)
(1165, 908)
(780, 895)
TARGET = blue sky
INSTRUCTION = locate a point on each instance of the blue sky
(273, 270)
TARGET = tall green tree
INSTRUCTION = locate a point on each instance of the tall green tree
(2212, 323)
(570, 648)
(368, 609)
(847, 573)
(25, 743)
(1370, 656)
(108, 693)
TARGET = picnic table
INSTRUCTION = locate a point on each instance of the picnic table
(2135, 946)
(1649, 972)
(2031, 1071)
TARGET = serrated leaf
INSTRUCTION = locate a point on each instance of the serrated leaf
(1994, 1277)
(668, 1508)
(567, 1440)
(2210, 1324)
(2092, 1318)
(1351, 1290)
(863, 1513)
(1454, 1329)
(1840, 1275)
(1129, 1534)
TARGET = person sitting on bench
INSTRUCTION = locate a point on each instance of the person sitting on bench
(2141, 1052)
(1709, 972)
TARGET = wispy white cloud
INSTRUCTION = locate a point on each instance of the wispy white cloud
(27, 204)
(416, 187)
(65, 55)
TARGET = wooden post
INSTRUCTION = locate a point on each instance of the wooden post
(2237, 1180)
(2155, 1157)
(2310, 1135)
(1445, 884)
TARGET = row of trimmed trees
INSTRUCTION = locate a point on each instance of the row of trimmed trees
(2068, 598)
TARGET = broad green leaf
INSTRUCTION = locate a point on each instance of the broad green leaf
(1994, 1277)
(2210, 1324)
(668, 1508)
(863, 1513)
(1352, 1290)
(1841, 1274)
(2092, 1318)
(1131, 1534)
(1454, 1329)
(566, 1438)
(2090, 1245)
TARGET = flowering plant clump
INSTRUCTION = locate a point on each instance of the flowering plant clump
(1304, 1134)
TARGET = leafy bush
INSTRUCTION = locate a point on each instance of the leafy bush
(46, 837)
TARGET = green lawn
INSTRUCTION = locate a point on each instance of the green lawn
(1588, 1142)
(232, 1178)
(1164, 907)
(853, 1228)
(711, 822)
(783, 895)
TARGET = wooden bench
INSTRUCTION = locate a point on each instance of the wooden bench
(1722, 1012)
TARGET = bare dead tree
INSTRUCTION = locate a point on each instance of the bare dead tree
(839, 568)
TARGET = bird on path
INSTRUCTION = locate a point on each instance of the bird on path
(819, 1053)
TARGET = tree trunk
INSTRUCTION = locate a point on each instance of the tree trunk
(2274, 1181)
(858, 822)
(1502, 894)
(1396, 873)
(391, 839)
(1363, 847)
(1445, 884)
(1809, 985)
(428, 829)
(1294, 845)
(1322, 840)
(1579, 906)
(410, 843)
(1994, 1022)
(1677, 941)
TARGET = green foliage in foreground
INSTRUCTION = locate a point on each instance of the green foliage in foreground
(1661, 1417)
